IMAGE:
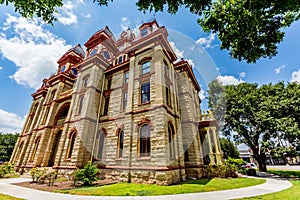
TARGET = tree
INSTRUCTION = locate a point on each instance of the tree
(260, 117)
(248, 29)
(7, 144)
(229, 149)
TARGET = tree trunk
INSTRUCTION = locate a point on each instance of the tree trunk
(261, 160)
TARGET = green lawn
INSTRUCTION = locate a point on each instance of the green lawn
(189, 186)
(285, 173)
(6, 197)
(292, 193)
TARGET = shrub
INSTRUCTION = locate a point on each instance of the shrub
(87, 175)
(6, 168)
(236, 163)
(38, 175)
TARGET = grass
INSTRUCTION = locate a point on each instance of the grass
(285, 173)
(189, 186)
(292, 193)
(6, 197)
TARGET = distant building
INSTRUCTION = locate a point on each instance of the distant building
(127, 105)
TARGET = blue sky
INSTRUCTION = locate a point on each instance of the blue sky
(29, 50)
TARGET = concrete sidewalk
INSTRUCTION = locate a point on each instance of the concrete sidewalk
(271, 185)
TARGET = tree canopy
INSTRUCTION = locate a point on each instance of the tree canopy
(248, 29)
(229, 149)
(7, 144)
(261, 117)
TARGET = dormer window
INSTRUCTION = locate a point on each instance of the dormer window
(106, 55)
(93, 52)
(63, 68)
(144, 32)
(74, 71)
(120, 59)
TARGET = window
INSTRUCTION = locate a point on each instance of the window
(171, 142)
(145, 149)
(120, 144)
(124, 101)
(126, 76)
(63, 68)
(144, 32)
(106, 105)
(80, 105)
(52, 95)
(85, 81)
(100, 142)
(74, 71)
(71, 145)
(108, 84)
(120, 60)
(146, 67)
(106, 55)
(145, 93)
(93, 52)
(186, 153)
(36, 145)
(46, 115)
(168, 96)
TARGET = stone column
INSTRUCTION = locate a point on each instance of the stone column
(218, 148)
(211, 153)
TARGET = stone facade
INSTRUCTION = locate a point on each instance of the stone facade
(125, 104)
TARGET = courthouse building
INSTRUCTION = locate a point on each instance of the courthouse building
(128, 105)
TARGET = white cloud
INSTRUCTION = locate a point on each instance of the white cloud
(296, 76)
(242, 74)
(125, 23)
(33, 49)
(278, 69)
(88, 15)
(1, 68)
(202, 94)
(191, 63)
(177, 52)
(229, 80)
(66, 14)
(10, 122)
(206, 42)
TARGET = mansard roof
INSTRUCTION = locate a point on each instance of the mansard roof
(73, 55)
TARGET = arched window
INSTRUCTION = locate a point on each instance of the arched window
(171, 134)
(71, 144)
(62, 115)
(145, 146)
(36, 145)
(100, 144)
(120, 144)
(85, 81)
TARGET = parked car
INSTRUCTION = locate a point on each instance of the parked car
(250, 165)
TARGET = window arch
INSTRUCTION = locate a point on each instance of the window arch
(100, 140)
(62, 115)
(71, 144)
(144, 141)
(36, 145)
(171, 137)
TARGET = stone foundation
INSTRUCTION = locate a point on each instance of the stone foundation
(142, 176)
